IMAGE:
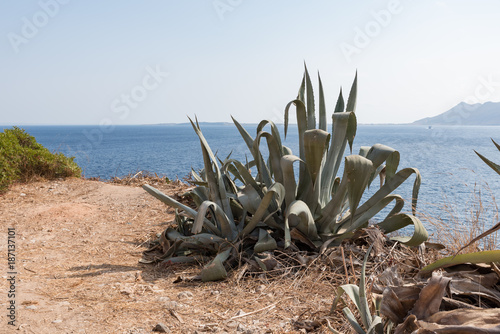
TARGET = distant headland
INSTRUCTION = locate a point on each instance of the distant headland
(487, 113)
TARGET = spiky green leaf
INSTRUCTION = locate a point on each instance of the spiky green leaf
(477, 257)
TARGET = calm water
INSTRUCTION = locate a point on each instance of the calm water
(451, 172)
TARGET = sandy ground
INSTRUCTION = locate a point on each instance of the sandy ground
(78, 243)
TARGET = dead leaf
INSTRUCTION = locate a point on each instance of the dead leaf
(431, 296)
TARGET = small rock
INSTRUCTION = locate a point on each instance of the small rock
(214, 292)
(22, 194)
(243, 329)
(31, 307)
(163, 299)
(232, 324)
(171, 305)
(126, 291)
(161, 328)
(185, 294)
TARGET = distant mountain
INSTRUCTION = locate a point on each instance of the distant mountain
(200, 123)
(466, 114)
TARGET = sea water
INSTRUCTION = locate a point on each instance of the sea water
(453, 176)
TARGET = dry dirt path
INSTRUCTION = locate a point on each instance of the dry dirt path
(78, 244)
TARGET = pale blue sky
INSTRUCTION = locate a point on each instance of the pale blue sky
(86, 62)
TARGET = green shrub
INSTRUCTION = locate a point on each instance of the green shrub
(23, 159)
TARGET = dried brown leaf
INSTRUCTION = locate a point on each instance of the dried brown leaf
(431, 296)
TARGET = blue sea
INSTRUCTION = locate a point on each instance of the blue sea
(452, 175)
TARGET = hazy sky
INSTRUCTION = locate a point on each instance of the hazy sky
(137, 62)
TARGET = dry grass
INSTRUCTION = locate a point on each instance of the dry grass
(98, 275)
(466, 223)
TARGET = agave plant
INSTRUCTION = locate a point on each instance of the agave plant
(357, 294)
(490, 163)
(317, 207)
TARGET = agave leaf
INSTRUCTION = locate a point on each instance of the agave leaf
(363, 151)
(351, 290)
(301, 122)
(206, 241)
(358, 297)
(249, 198)
(261, 263)
(261, 165)
(311, 113)
(274, 131)
(227, 226)
(348, 224)
(304, 191)
(230, 168)
(244, 134)
(391, 185)
(402, 220)
(215, 270)
(496, 145)
(277, 191)
(379, 153)
(215, 181)
(299, 216)
(185, 259)
(358, 171)
(352, 321)
(289, 178)
(477, 257)
(316, 145)
(322, 106)
(275, 154)
(391, 165)
(364, 308)
(195, 176)
(199, 195)
(265, 242)
(287, 150)
(351, 101)
(173, 203)
(377, 325)
(245, 175)
(302, 89)
(331, 211)
(339, 106)
(351, 130)
(336, 184)
(330, 327)
(342, 122)
(490, 163)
